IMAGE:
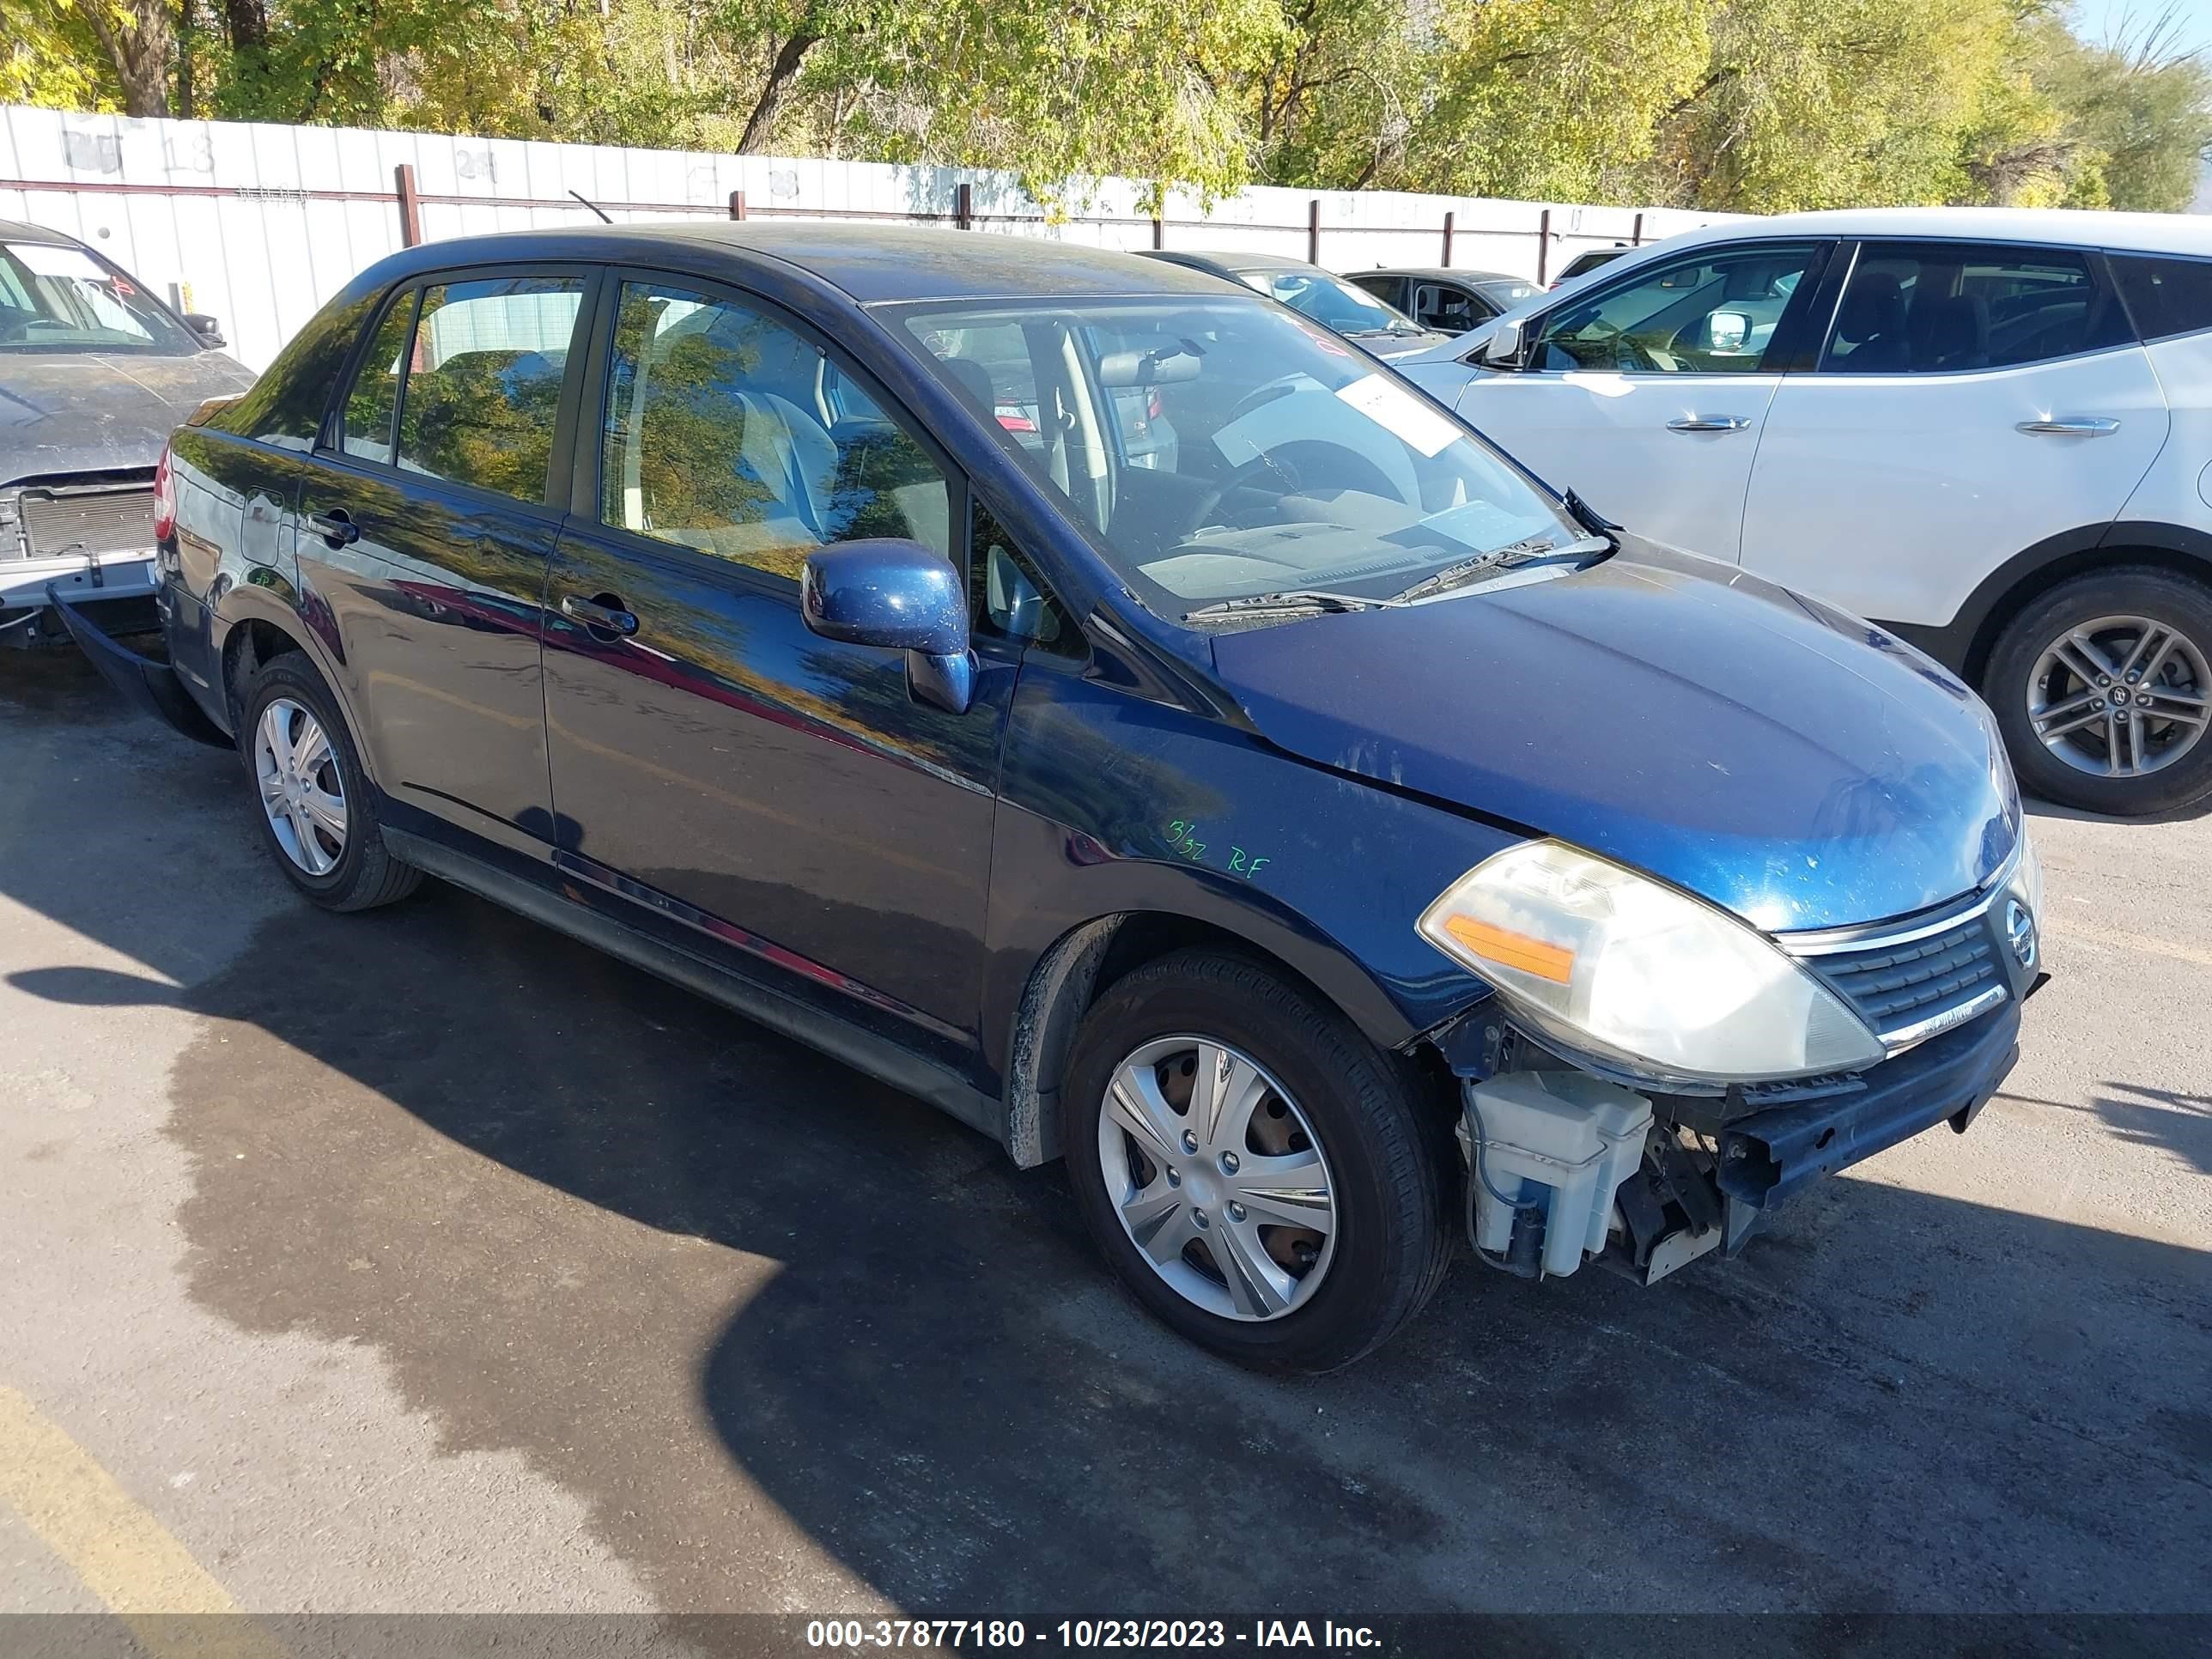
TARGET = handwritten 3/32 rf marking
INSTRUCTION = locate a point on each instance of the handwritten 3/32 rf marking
(1183, 841)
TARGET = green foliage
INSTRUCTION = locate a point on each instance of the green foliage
(1759, 105)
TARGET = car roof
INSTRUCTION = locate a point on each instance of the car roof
(1234, 260)
(15, 230)
(871, 264)
(1443, 273)
(2144, 233)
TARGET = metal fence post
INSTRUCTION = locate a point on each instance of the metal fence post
(737, 204)
(964, 205)
(1313, 232)
(1448, 235)
(410, 205)
(1636, 236)
(1543, 248)
(1160, 231)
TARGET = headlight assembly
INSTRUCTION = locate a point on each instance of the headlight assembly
(1634, 973)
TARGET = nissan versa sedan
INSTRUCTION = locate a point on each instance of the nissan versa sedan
(1322, 837)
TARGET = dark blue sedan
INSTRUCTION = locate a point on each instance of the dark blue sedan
(1325, 837)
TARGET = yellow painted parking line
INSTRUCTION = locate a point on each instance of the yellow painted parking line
(124, 1556)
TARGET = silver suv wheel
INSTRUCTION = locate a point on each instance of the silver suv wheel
(2120, 696)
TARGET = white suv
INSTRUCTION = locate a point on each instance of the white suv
(1989, 431)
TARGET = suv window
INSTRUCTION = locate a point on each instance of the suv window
(1945, 307)
(1715, 311)
(1391, 290)
(1447, 308)
(2166, 297)
(727, 432)
(484, 379)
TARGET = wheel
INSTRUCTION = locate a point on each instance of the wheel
(1256, 1172)
(315, 805)
(2101, 688)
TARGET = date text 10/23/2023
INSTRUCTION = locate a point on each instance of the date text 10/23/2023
(856, 1635)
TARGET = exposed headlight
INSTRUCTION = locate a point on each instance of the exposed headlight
(1632, 972)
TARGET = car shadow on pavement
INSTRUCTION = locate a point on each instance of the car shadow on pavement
(756, 1310)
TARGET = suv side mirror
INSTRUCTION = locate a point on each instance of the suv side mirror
(205, 329)
(1502, 349)
(897, 596)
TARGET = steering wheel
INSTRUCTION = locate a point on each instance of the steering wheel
(1239, 478)
(1627, 354)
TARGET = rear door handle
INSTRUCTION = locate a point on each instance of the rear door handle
(1709, 424)
(2072, 426)
(605, 614)
(336, 526)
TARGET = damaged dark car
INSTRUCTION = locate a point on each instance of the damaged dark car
(1327, 840)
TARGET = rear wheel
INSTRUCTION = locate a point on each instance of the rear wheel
(315, 806)
(2103, 687)
(1259, 1175)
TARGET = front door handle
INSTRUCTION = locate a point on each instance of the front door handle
(605, 615)
(2071, 426)
(336, 526)
(1709, 424)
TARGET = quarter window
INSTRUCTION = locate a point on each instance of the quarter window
(1715, 313)
(727, 432)
(483, 380)
(1950, 308)
(2166, 297)
(375, 398)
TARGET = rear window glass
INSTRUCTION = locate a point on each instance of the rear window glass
(1948, 308)
(284, 406)
(2166, 297)
(483, 380)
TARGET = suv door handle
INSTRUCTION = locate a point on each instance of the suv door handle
(607, 614)
(2072, 426)
(336, 526)
(1709, 424)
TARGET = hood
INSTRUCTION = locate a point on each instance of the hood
(84, 412)
(1789, 764)
(1392, 347)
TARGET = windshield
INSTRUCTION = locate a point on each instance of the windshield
(1331, 301)
(1218, 449)
(61, 299)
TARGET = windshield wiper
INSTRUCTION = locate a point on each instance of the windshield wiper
(1290, 599)
(1512, 557)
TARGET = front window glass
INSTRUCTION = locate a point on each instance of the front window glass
(729, 433)
(61, 299)
(1329, 300)
(1220, 450)
(1715, 313)
(483, 380)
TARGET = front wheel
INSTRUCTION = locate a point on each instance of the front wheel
(1257, 1174)
(2101, 687)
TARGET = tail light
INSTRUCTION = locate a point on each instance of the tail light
(164, 499)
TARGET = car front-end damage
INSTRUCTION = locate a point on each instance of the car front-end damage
(1576, 1150)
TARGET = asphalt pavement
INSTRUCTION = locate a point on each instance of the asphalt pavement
(426, 1261)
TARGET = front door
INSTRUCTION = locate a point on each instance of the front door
(1971, 401)
(781, 795)
(424, 536)
(1646, 396)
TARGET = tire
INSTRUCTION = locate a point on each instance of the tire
(1314, 1302)
(353, 872)
(2175, 770)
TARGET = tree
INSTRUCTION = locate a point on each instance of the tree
(139, 38)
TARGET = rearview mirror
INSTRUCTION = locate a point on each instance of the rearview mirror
(205, 329)
(897, 596)
(1503, 346)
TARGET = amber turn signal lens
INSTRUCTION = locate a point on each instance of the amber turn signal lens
(1511, 949)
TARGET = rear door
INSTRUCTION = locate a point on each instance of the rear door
(1647, 393)
(426, 529)
(1971, 399)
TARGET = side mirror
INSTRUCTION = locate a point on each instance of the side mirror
(897, 596)
(208, 330)
(1503, 349)
(1728, 330)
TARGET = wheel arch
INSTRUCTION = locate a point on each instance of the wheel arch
(1965, 644)
(1088, 959)
(256, 622)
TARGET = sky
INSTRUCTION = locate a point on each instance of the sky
(2101, 20)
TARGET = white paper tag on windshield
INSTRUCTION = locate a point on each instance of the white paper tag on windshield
(1402, 412)
(45, 260)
